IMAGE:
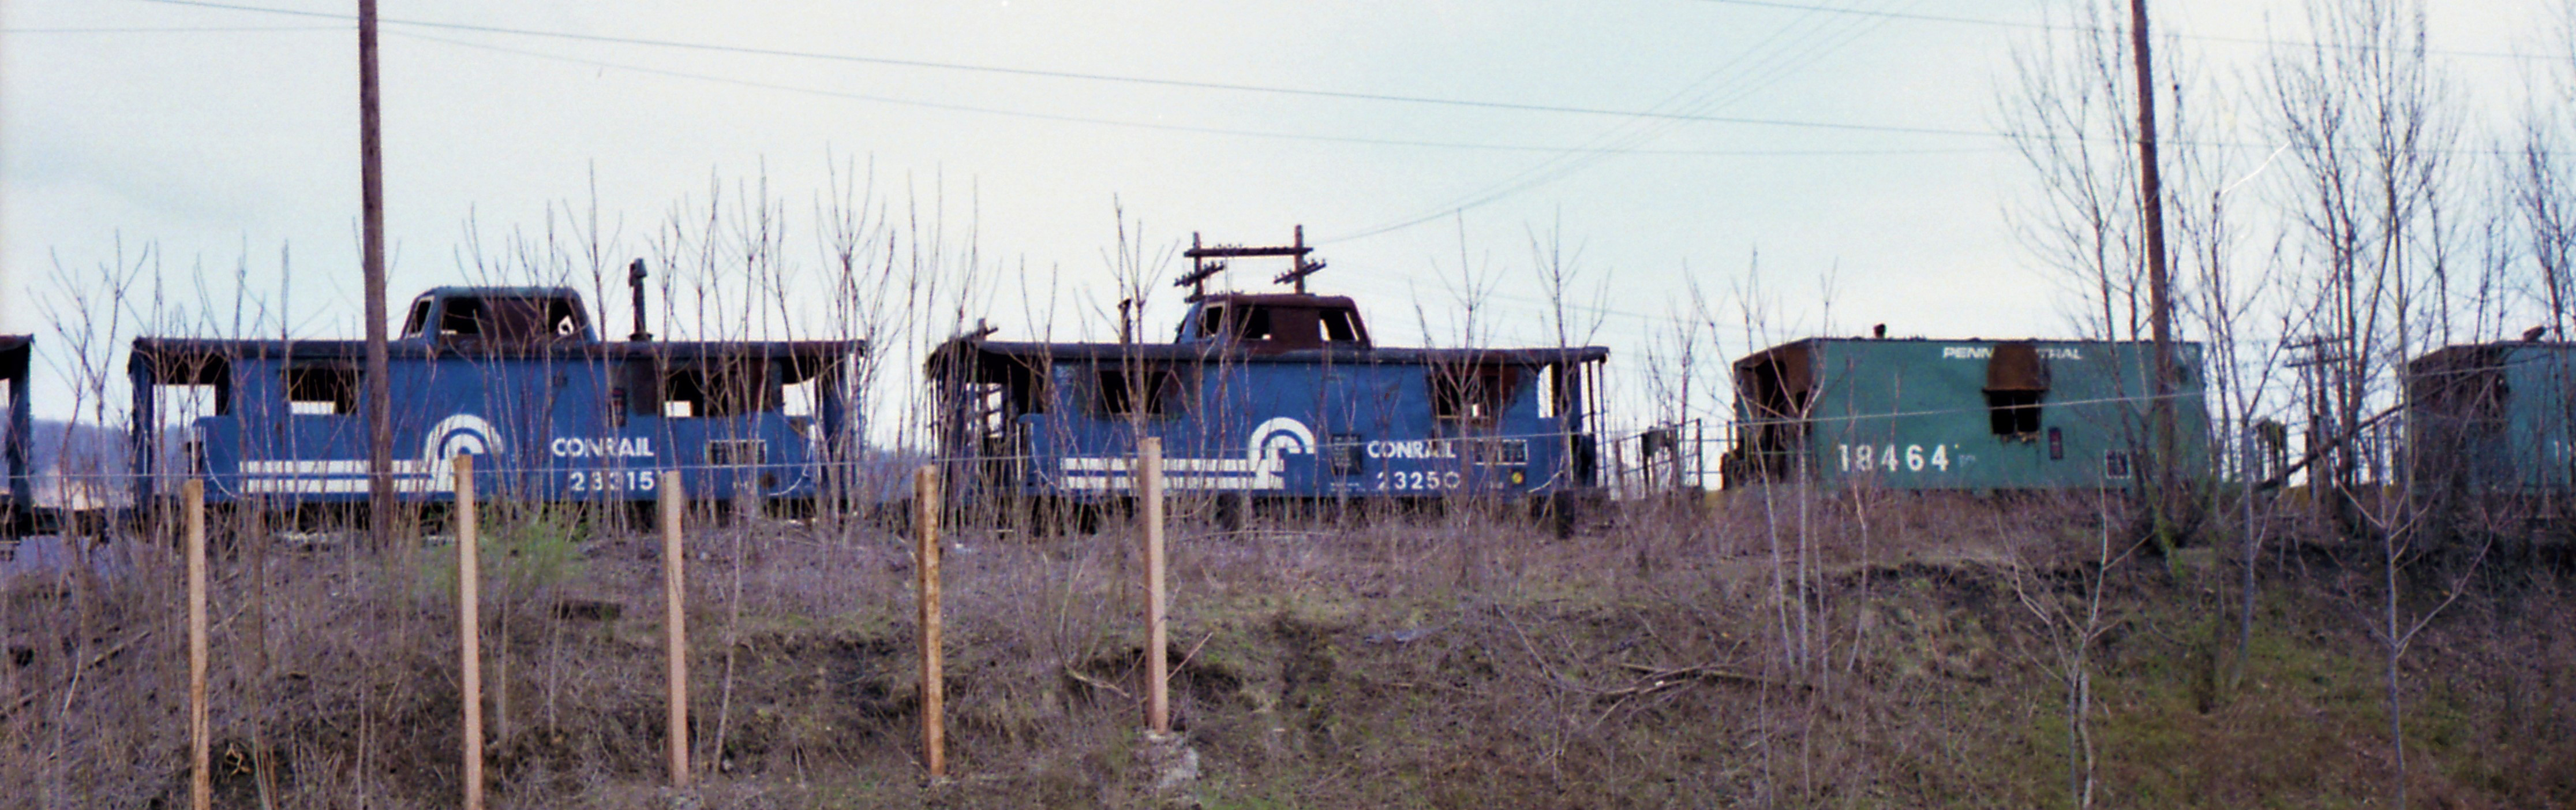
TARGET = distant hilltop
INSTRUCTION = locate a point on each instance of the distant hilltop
(63, 452)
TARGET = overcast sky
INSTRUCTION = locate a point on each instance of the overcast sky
(1855, 145)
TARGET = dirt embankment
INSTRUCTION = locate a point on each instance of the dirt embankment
(1905, 660)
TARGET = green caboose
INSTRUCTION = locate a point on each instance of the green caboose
(2494, 418)
(1958, 414)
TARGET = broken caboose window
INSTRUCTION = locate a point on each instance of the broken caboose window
(418, 319)
(1253, 323)
(2016, 381)
(510, 319)
(1472, 396)
(322, 390)
(1341, 326)
(1148, 391)
(719, 389)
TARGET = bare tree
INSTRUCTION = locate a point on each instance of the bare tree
(2066, 112)
(2369, 124)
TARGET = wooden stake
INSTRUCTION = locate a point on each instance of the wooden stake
(675, 629)
(934, 688)
(469, 627)
(1149, 492)
(201, 775)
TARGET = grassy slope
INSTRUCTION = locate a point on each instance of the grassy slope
(1436, 664)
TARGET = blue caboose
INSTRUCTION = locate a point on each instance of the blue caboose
(1274, 396)
(514, 375)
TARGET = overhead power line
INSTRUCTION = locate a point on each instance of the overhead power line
(177, 29)
(1110, 77)
(1736, 79)
(2043, 26)
(1113, 122)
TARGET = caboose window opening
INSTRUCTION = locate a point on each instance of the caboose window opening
(179, 406)
(2016, 382)
(1253, 323)
(418, 319)
(462, 317)
(1472, 396)
(1029, 392)
(1212, 321)
(1775, 391)
(1341, 326)
(182, 397)
(563, 318)
(188, 389)
(719, 388)
(1551, 400)
(1148, 391)
(322, 390)
(510, 318)
(800, 399)
(2013, 414)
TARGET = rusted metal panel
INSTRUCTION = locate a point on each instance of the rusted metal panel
(2016, 366)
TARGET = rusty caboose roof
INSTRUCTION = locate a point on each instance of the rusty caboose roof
(1036, 353)
(806, 357)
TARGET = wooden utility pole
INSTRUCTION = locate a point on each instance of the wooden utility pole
(371, 171)
(934, 687)
(2151, 201)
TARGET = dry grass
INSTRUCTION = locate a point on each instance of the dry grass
(1418, 661)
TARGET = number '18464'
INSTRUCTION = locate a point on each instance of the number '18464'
(1886, 458)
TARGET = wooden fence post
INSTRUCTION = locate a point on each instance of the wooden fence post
(934, 689)
(469, 626)
(1149, 492)
(675, 631)
(201, 774)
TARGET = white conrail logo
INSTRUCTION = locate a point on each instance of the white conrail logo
(433, 471)
(1259, 468)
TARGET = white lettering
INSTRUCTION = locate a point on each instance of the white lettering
(1984, 352)
(1416, 448)
(605, 447)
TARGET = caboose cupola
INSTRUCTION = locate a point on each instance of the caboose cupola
(1277, 322)
(494, 317)
(1266, 323)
